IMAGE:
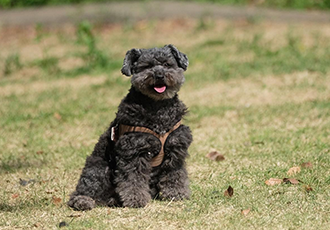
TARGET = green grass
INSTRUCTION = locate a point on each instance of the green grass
(259, 98)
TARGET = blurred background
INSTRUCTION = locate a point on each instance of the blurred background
(295, 4)
(84, 29)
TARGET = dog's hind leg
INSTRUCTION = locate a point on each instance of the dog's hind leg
(94, 186)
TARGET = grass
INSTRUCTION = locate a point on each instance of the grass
(258, 93)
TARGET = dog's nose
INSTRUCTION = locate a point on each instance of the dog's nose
(159, 75)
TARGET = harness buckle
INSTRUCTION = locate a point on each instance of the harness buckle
(114, 133)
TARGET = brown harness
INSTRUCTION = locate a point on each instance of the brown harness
(157, 160)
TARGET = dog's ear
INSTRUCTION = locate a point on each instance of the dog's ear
(181, 58)
(131, 57)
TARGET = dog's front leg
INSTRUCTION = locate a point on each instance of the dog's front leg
(132, 175)
(174, 185)
(173, 182)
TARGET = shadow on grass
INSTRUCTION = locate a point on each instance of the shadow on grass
(15, 164)
(24, 205)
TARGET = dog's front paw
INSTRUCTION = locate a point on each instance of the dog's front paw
(136, 202)
(170, 194)
(81, 203)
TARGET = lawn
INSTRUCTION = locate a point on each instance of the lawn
(258, 93)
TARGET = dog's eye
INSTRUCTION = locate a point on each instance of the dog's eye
(167, 64)
(142, 67)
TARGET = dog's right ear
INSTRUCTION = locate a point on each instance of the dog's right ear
(131, 57)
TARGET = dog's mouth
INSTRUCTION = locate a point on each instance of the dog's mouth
(160, 88)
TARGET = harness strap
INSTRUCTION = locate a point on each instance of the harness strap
(157, 160)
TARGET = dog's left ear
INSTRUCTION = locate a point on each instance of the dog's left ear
(131, 57)
(181, 58)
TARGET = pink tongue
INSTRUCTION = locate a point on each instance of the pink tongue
(160, 89)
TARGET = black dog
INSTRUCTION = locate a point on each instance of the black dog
(142, 154)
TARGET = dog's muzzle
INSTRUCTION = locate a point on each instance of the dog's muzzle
(159, 77)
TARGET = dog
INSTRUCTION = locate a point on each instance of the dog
(141, 156)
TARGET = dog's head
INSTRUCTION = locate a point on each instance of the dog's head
(157, 72)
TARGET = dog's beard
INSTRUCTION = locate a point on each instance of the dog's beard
(166, 88)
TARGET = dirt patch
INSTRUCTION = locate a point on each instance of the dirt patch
(40, 86)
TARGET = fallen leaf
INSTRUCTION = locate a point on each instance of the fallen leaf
(229, 192)
(37, 225)
(273, 181)
(246, 211)
(290, 180)
(293, 170)
(308, 188)
(63, 224)
(57, 116)
(40, 152)
(56, 200)
(307, 165)
(215, 156)
(14, 196)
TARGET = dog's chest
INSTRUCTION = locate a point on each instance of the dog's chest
(160, 117)
(159, 120)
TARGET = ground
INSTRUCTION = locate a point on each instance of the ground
(258, 93)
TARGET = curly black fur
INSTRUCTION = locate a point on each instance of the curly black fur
(119, 173)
